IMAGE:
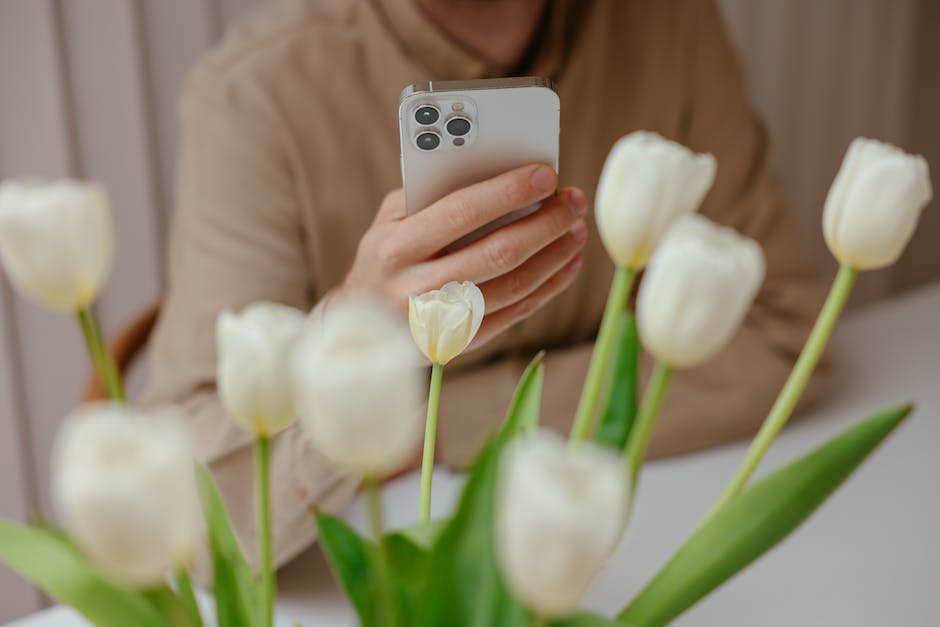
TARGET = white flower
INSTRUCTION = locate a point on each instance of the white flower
(699, 285)
(56, 240)
(445, 321)
(359, 386)
(125, 488)
(559, 515)
(254, 365)
(874, 204)
(647, 182)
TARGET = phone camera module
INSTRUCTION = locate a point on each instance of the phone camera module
(458, 126)
(428, 140)
(427, 115)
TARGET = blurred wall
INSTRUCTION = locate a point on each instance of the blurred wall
(89, 89)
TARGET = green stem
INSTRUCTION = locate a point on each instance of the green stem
(606, 335)
(792, 389)
(646, 419)
(388, 614)
(263, 504)
(100, 356)
(184, 587)
(374, 506)
(430, 439)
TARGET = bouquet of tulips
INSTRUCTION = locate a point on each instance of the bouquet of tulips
(538, 516)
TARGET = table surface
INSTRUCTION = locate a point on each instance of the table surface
(869, 557)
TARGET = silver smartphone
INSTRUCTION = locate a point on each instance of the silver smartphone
(456, 133)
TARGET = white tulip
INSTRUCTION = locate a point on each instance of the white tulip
(445, 321)
(647, 182)
(874, 204)
(699, 285)
(254, 363)
(559, 514)
(56, 240)
(358, 383)
(125, 488)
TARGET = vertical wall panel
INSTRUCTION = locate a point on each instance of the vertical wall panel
(920, 263)
(822, 72)
(16, 596)
(115, 144)
(37, 140)
(41, 354)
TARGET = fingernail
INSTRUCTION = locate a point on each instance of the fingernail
(579, 231)
(543, 179)
(578, 202)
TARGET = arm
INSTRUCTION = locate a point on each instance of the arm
(728, 397)
(236, 239)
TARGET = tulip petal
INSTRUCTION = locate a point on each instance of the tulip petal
(875, 238)
(357, 388)
(696, 292)
(874, 204)
(647, 182)
(56, 240)
(254, 349)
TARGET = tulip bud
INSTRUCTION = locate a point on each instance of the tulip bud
(56, 240)
(254, 365)
(559, 514)
(647, 182)
(445, 321)
(699, 285)
(874, 204)
(358, 385)
(124, 486)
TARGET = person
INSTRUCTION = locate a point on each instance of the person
(288, 192)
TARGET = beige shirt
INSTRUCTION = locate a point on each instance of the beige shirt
(290, 141)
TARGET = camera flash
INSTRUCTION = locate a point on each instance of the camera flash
(458, 141)
(457, 106)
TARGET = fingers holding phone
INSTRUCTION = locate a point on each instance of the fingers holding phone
(479, 162)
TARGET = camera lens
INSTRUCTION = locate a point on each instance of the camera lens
(426, 115)
(458, 126)
(428, 140)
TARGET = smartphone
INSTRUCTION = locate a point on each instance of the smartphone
(456, 133)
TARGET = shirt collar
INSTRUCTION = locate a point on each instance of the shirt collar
(444, 59)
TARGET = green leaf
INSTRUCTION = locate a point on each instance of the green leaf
(51, 563)
(408, 565)
(424, 534)
(523, 414)
(463, 585)
(171, 607)
(756, 521)
(357, 563)
(621, 408)
(353, 560)
(585, 620)
(237, 592)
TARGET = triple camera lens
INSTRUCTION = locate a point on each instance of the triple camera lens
(429, 139)
(458, 126)
(427, 115)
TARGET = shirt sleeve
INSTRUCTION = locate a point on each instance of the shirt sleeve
(236, 238)
(729, 396)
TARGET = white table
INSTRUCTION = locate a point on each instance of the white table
(869, 558)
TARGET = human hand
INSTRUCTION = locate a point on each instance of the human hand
(519, 267)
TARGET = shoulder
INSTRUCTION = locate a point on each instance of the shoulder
(273, 45)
